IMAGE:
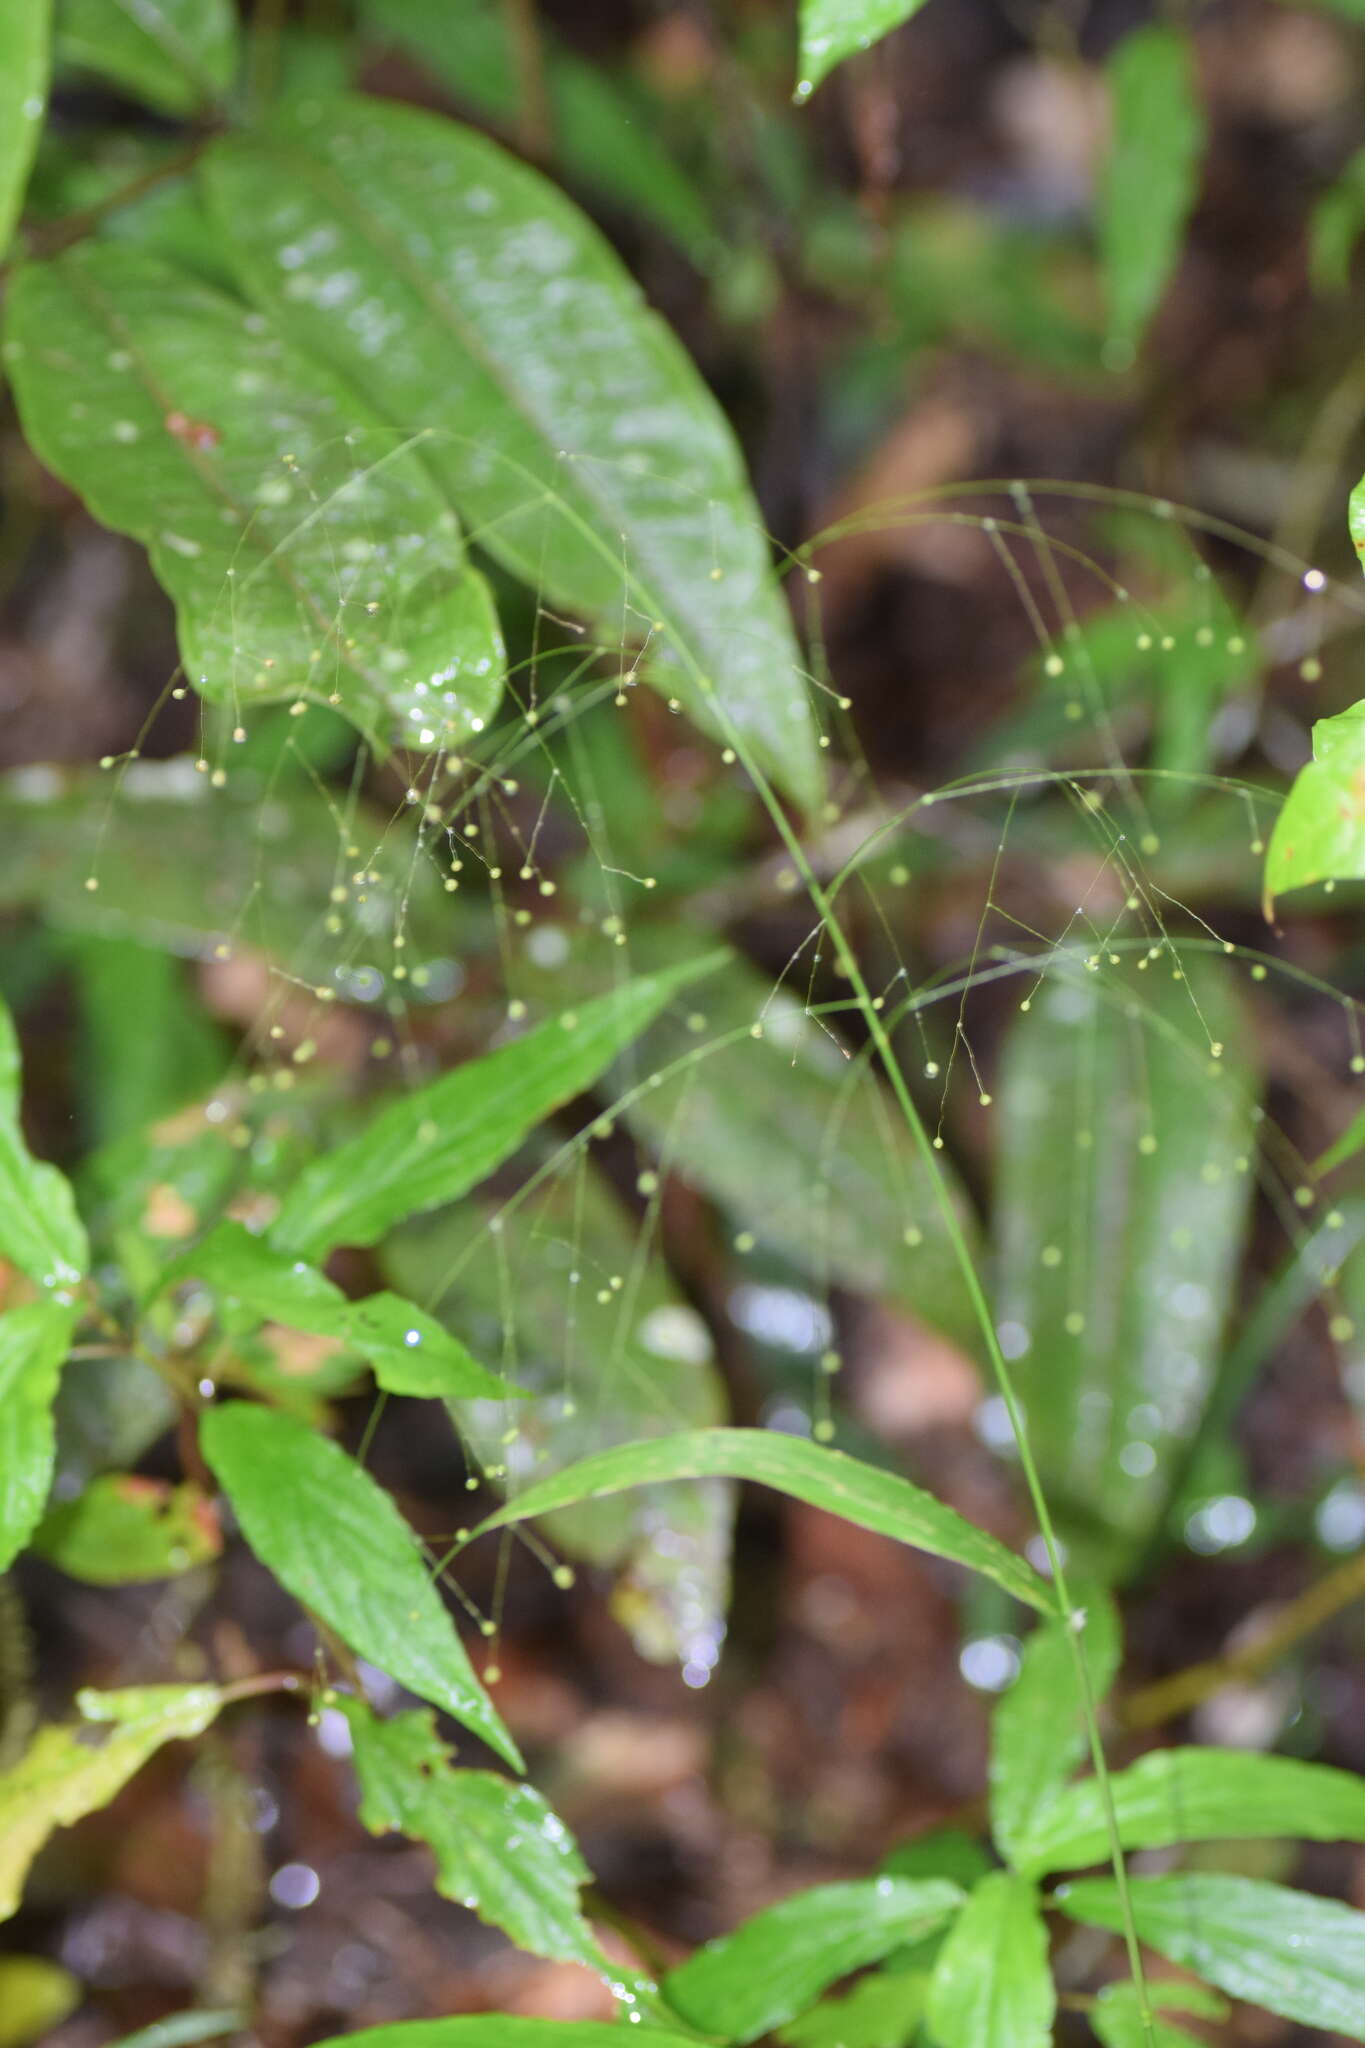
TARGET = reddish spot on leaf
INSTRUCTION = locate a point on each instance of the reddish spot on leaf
(192, 433)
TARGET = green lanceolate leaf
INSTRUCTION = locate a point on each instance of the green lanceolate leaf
(40, 1231)
(1038, 1730)
(1117, 2015)
(600, 128)
(992, 1983)
(34, 1341)
(68, 1771)
(500, 1850)
(1319, 835)
(122, 1529)
(25, 33)
(475, 305)
(184, 2028)
(832, 30)
(1196, 1795)
(437, 1143)
(308, 553)
(1297, 1955)
(147, 1046)
(807, 1471)
(779, 1962)
(1151, 174)
(801, 1145)
(1124, 1181)
(254, 867)
(411, 1353)
(336, 1541)
(177, 55)
(251, 1275)
(564, 1292)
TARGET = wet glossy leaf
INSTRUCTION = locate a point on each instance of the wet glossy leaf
(40, 1231)
(832, 30)
(1299, 1956)
(862, 1494)
(1319, 835)
(1122, 1193)
(1150, 176)
(601, 130)
(577, 1306)
(801, 1143)
(1196, 1795)
(1038, 1733)
(122, 1529)
(500, 1850)
(1117, 2015)
(440, 1141)
(882, 2011)
(255, 866)
(34, 1996)
(336, 1541)
(476, 306)
(992, 1982)
(776, 1964)
(306, 549)
(69, 1771)
(411, 1353)
(147, 1046)
(251, 1275)
(177, 55)
(25, 32)
(34, 1341)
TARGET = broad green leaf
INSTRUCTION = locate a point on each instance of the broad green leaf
(1150, 176)
(147, 1046)
(121, 1529)
(802, 1145)
(40, 1231)
(500, 1849)
(601, 130)
(184, 2028)
(251, 1275)
(34, 1341)
(440, 1141)
(68, 1771)
(1122, 1193)
(1319, 835)
(575, 1303)
(477, 307)
(1196, 1795)
(25, 36)
(779, 1962)
(862, 1494)
(34, 1996)
(485, 2030)
(255, 866)
(1117, 2015)
(411, 1353)
(1297, 1955)
(992, 1982)
(177, 55)
(882, 2011)
(336, 1541)
(308, 553)
(1038, 1732)
(832, 30)
(943, 1852)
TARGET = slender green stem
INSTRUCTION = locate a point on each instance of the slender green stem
(957, 1238)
